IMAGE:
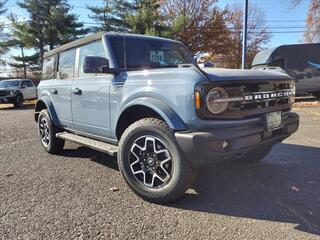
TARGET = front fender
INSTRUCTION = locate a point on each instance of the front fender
(165, 111)
(45, 102)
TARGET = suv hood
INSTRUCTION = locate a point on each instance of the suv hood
(8, 88)
(222, 74)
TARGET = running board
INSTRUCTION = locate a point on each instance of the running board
(88, 142)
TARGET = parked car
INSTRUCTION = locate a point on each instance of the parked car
(206, 64)
(145, 100)
(15, 91)
(300, 61)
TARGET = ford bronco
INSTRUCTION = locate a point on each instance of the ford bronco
(15, 91)
(145, 100)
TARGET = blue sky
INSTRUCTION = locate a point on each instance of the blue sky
(278, 15)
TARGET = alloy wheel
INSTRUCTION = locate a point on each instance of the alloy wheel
(150, 162)
(44, 131)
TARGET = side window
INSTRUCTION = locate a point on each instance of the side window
(48, 70)
(93, 49)
(66, 64)
(29, 84)
(24, 84)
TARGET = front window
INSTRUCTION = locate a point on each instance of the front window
(144, 53)
(7, 84)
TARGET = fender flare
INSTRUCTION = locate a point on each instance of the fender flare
(47, 102)
(164, 110)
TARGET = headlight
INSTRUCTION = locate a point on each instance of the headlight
(11, 92)
(213, 104)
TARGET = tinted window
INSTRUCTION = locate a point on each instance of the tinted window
(93, 49)
(5, 84)
(48, 71)
(27, 83)
(66, 64)
(149, 53)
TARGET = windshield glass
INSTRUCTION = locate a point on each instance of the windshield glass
(6, 84)
(149, 53)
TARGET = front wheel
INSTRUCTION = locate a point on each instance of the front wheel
(152, 163)
(316, 94)
(18, 101)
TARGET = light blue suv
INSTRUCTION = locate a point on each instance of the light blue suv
(146, 101)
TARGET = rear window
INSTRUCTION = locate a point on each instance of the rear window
(48, 70)
(149, 53)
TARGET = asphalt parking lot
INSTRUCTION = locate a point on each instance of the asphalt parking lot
(68, 196)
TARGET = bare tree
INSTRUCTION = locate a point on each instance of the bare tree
(312, 32)
(199, 24)
(258, 35)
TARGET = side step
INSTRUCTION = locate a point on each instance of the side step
(88, 142)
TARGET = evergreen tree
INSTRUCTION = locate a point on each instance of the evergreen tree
(51, 24)
(3, 43)
(140, 16)
(111, 16)
(20, 39)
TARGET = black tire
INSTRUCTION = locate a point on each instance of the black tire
(182, 174)
(316, 94)
(52, 144)
(255, 155)
(18, 101)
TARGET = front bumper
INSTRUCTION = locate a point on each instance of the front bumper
(6, 99)
(206, 147)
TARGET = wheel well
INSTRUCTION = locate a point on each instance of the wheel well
(133, 114)
(39, 106)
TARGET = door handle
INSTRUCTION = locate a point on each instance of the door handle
(77, 91)
(54, 92)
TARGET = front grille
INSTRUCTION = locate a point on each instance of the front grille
(3, 93)
(253, 107)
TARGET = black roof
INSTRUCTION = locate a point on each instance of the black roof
(96, 37)
(76, 43)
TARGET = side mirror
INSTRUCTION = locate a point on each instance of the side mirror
(93, 64)
(23, 86)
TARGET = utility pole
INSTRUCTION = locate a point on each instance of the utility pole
(245, 35)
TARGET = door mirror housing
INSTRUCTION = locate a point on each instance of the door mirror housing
(93, 64)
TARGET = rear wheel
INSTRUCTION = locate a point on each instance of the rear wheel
(47, 133)
(18, 101)
(152, 163)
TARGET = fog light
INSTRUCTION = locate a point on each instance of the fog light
(225, 144)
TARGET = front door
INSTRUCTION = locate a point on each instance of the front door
(27, 89)
(61, 89)
(90, 95)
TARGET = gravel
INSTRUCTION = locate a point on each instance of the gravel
(70, 196)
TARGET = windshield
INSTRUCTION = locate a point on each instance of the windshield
(149, 53)
(7, 84)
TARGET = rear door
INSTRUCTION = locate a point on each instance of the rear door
(90, 95)
(60, 91)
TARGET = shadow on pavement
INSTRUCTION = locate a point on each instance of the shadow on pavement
(13, 108)
(284, 187)
(93, 155)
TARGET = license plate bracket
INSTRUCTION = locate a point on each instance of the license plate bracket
(273, 120)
